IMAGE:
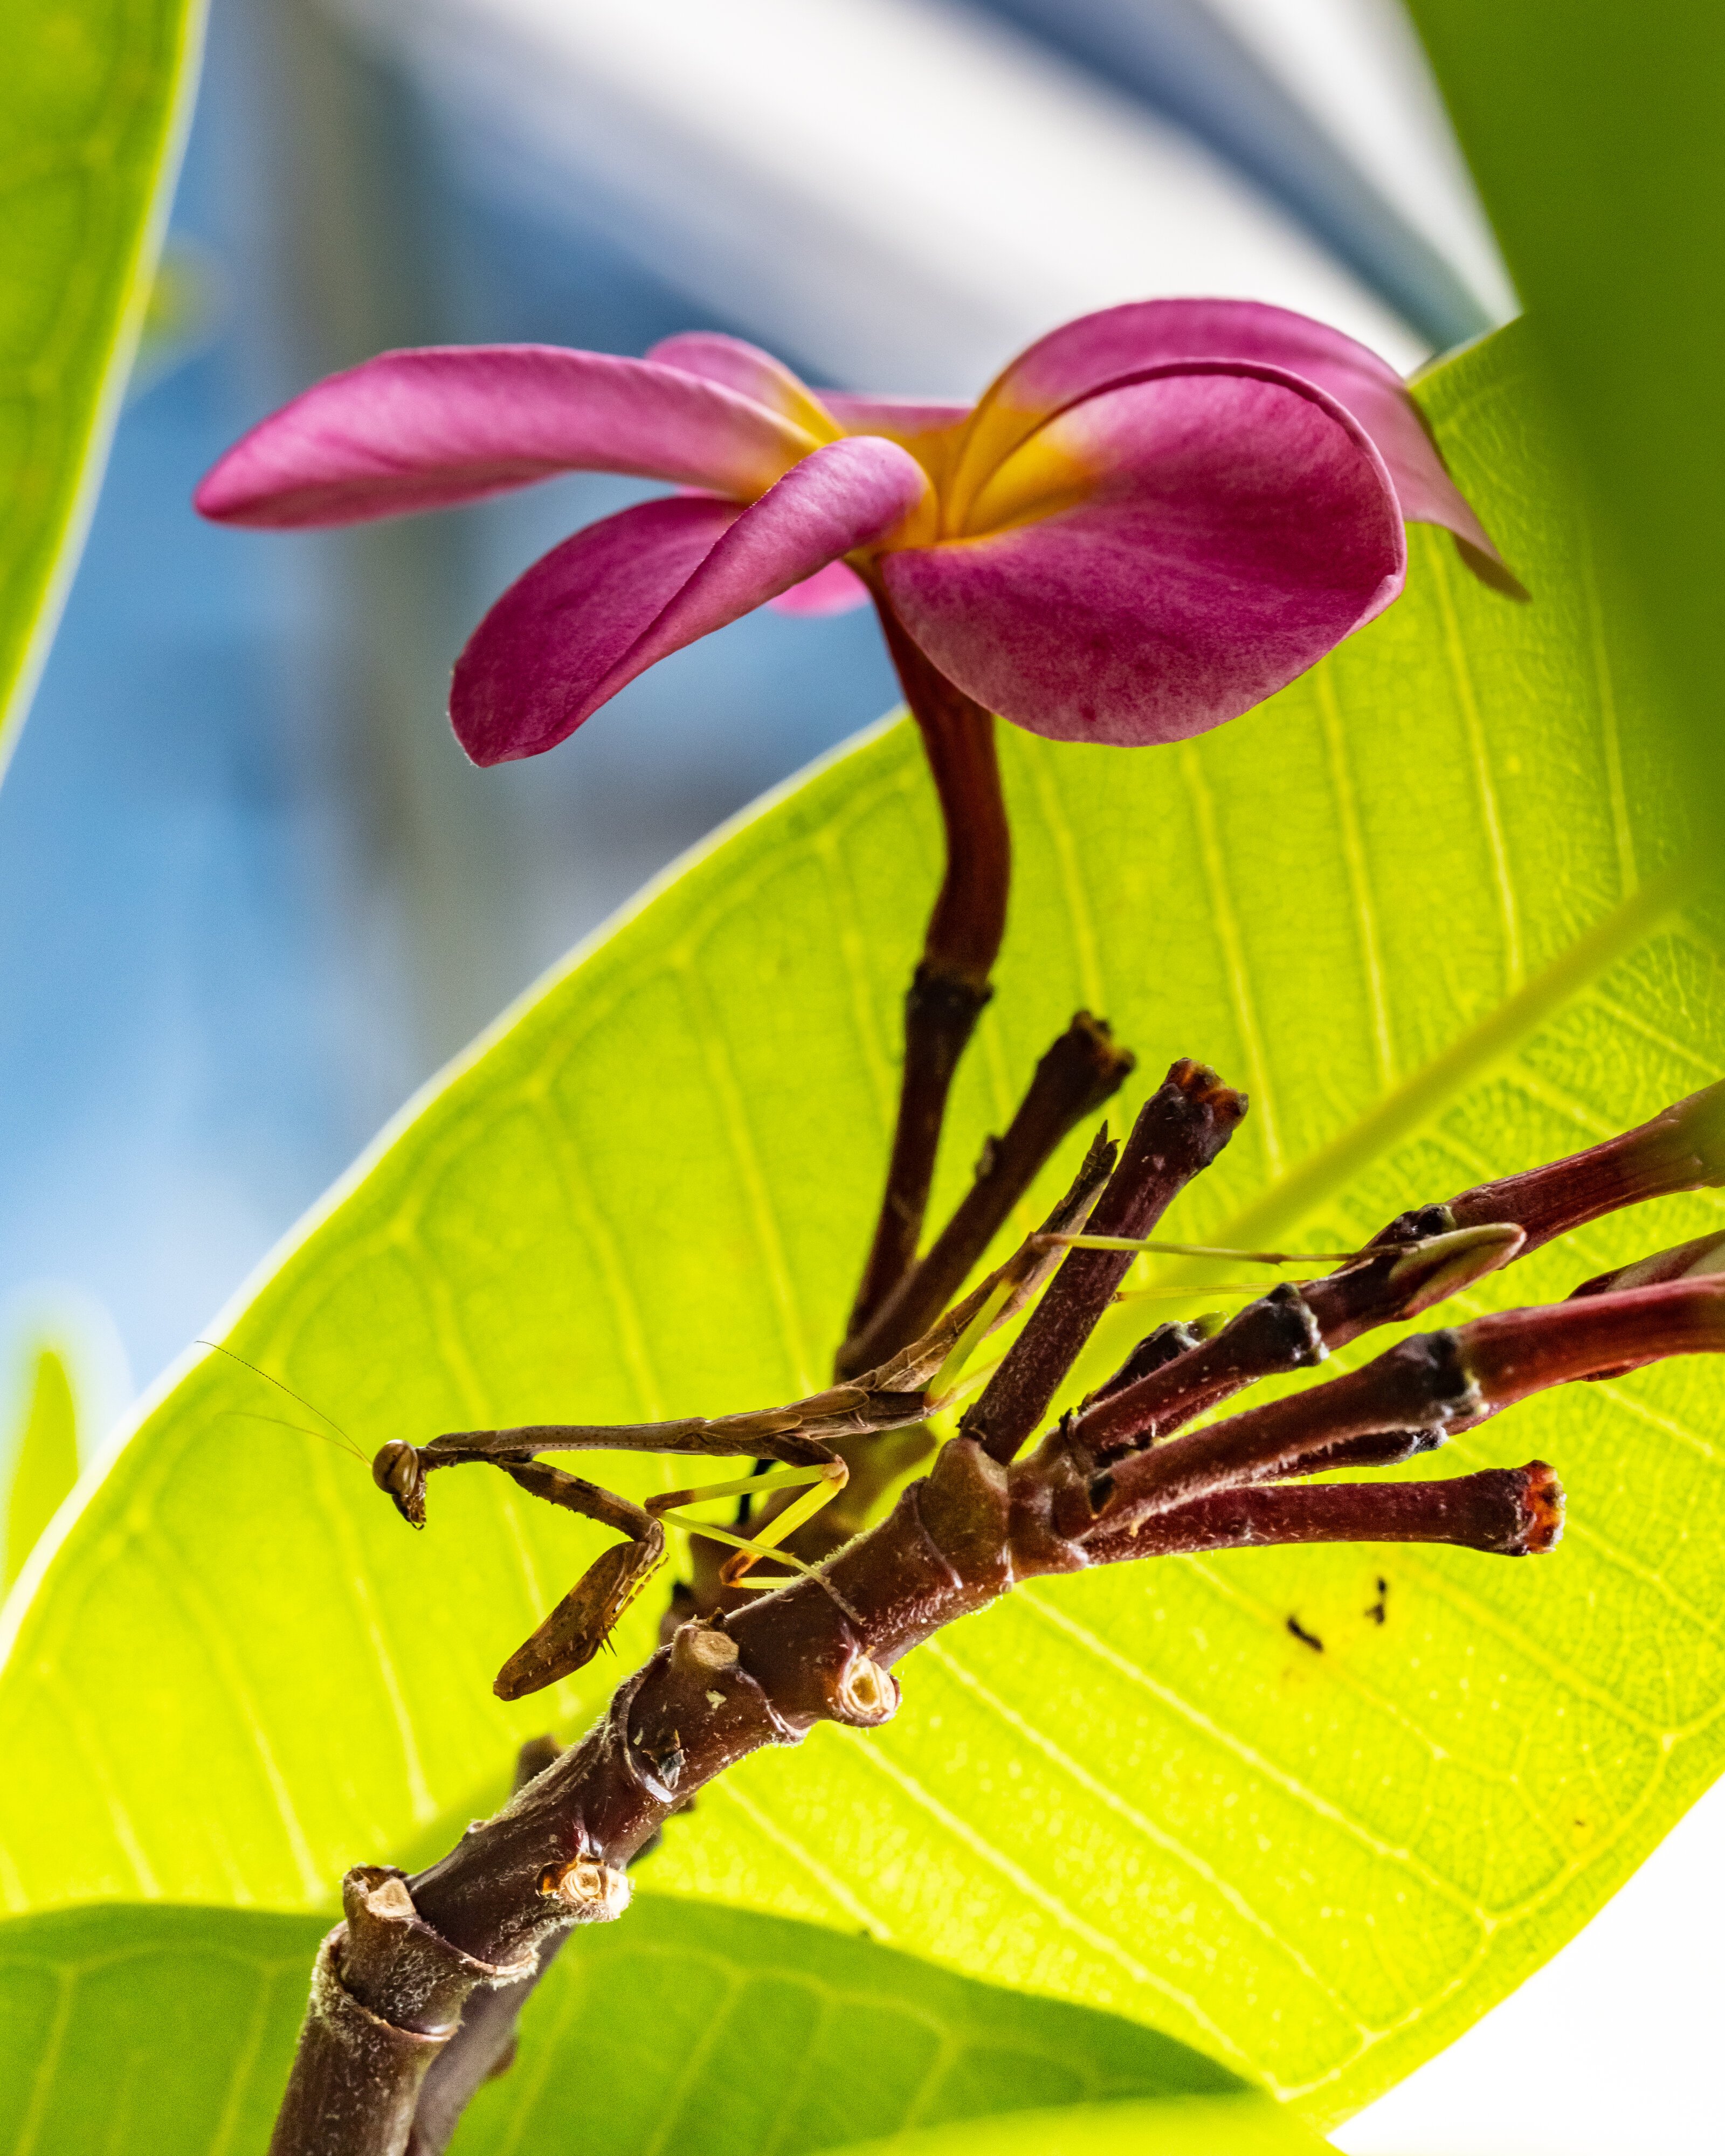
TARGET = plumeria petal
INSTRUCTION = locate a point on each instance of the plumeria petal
(835, 590)
(571, 621)
(625, 592)
(413, 430)
(751, 372)
(1161, 558)
(1083, 356)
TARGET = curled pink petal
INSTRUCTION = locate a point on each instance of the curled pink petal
(1162, 557)
(571, 618)
(413, 430)
(751, 372)
(835, 590)
(605, 605)
(1083, 356)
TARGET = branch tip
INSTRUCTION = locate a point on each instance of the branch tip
(1179, 1131)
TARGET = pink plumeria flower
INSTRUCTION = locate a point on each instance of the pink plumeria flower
(1154, 518)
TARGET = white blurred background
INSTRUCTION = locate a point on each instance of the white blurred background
(250, 894)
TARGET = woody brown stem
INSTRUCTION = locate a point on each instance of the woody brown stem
(1080, 1072)
(1503, 1511)
(484, 2046)
(950, 983)
(1428, 1253)
(1682, 1148)
(1290, 1328)
(820, 1650)
(1180, 1130)
(393, 1981)
(1434, 1383)
(387, 1998)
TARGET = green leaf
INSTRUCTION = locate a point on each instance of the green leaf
(44, 1462)
(1422, 906)
(1593, 136)
(161, 2030)
(94, 102)
(1197, 2126)
(168, 2031)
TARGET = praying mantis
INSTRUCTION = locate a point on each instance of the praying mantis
(802, 1436)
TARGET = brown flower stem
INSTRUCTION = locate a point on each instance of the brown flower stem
(1682, 1148)
(1512, 1511)
(950, 983)
(1288, 1329)
(1278, 1333)
(1515, 1353)
(1435, 1383)
(1180, 1130)
(1420, 1384)
(1080, 1072)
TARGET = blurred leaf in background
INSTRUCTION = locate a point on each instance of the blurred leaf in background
(94, 98)
(1596, 135)
(63, 1383)
(38, 1468)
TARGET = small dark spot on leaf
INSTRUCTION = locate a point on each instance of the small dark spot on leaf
(1306, 1638)
(1380, 1609)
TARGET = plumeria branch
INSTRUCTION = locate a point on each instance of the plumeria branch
(1505, 1512)
(1426, 1255)
(394, 1979)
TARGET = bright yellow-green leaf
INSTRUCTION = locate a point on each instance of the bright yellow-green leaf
(1197, 2126)
(1421, 905)
(94, 98)
(130, 2030)
(42, 1464)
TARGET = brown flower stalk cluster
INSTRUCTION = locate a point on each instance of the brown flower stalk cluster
(415, 1994)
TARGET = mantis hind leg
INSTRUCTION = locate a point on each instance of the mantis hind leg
(823, 1484)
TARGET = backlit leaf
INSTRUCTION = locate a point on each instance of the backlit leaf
(1423, 906)
(135, 2029)
(1197, 2126)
